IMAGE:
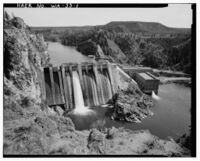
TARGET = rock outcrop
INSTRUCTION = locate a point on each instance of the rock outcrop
(111, 133)
(24, 56)
(96, 142)
(131, 105)
(185, 140)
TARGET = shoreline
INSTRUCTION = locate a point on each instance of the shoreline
(179, 80)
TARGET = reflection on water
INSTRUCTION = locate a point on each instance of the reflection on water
(64, 54)
(171, 114)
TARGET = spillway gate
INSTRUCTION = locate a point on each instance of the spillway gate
(97, 83)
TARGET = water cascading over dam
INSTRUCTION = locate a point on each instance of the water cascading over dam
(78, 86)
(78, 95)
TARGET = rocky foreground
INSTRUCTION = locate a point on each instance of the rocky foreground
(49, 134)
(31, 127)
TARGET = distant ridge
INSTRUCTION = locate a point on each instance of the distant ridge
(147, 27)
(131, 26)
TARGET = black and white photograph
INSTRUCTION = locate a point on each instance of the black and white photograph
(82, 80)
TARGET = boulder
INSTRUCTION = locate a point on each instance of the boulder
(111, 133)
(96, 142)
(59, 110)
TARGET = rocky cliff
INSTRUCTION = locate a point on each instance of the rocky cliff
(25, 54)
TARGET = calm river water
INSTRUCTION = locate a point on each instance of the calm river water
(64, 54)
(171, 113)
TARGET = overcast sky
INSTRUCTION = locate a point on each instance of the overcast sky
(175, 15)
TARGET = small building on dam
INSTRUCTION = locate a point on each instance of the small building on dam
(147, 82)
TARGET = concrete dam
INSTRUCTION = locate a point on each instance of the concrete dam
(80, 85)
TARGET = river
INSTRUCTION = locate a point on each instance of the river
(64, 54)
(171, 113)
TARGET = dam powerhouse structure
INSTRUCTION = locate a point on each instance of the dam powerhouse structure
(88, 84)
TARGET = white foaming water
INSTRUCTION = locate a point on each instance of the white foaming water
(80, 109)
(154, 96)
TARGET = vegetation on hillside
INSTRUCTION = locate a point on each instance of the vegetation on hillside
(134, 43)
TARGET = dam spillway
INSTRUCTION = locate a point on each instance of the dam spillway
(74, 85)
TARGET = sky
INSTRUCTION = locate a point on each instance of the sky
(175, 15)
